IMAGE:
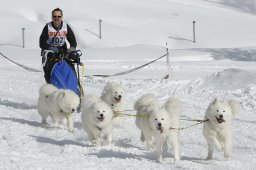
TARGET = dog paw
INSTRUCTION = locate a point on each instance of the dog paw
(44, 122)
(208, 157)
(107, 147)
(150, 148)
(222, 148)
(176, 162)
(94, 142)
(227, 156)
(159, 160)
(163, 161)
(142, 139)
(71, 130)
(98, 147)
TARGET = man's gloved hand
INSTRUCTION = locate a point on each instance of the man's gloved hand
(50, 56)
(54, 49)
(71, 49)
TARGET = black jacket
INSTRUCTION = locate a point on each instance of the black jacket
(44, 37)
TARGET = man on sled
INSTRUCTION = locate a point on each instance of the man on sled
(58, 61)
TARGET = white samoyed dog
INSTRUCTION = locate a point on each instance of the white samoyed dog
(58, 104)
(156, 123)
(218, 129)
(144, 106)
(97, 121)
(165, 123)
(114, 95)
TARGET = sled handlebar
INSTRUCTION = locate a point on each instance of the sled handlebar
(73, 56)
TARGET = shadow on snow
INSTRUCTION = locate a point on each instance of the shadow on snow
(28, 122)
(17, 105)
(63, 142)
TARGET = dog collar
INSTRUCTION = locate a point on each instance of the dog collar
(98, 128)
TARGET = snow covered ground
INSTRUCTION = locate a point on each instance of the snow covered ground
(220, 64)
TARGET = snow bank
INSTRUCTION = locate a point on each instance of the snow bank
(230, 79)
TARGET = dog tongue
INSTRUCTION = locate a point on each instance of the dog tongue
(100, 118)
(160, 129)
(117, 100)
(220, 120)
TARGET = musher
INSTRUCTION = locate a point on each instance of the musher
(53, 37)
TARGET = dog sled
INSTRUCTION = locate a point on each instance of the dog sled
(63, 74)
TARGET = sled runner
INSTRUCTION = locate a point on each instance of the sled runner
(63, 74)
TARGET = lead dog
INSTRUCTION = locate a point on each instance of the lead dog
(165, 122)
(218, 129)
(59, 104)
(156, 123)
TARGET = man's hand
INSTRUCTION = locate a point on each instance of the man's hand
(71, 49)
(54, 49)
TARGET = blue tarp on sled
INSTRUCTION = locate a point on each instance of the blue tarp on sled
(64, 77)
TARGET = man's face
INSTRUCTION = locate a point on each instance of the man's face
(56, 18)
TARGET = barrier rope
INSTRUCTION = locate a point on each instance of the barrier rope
(128, 71)
(20, 65)
(103, 76)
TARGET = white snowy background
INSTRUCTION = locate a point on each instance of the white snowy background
(220, 64)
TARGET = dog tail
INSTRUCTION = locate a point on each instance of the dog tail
(47, 89)
(89, 100)
(107, 88)
(147, 102)
(174, 108)
(235, 106)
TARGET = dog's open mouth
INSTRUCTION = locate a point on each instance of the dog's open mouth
(220, 120)
(117, 99)
(100, 118)
(160, 129)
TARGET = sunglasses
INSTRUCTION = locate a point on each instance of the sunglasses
(56, 16)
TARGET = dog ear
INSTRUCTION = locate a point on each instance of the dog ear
(152, 108)
(226, 101)
(235, 106)
(106, 89)
(172, 103)
(136, 106)
(215, 100)
(61, 95)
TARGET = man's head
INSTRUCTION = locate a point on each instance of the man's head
(57, 17)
